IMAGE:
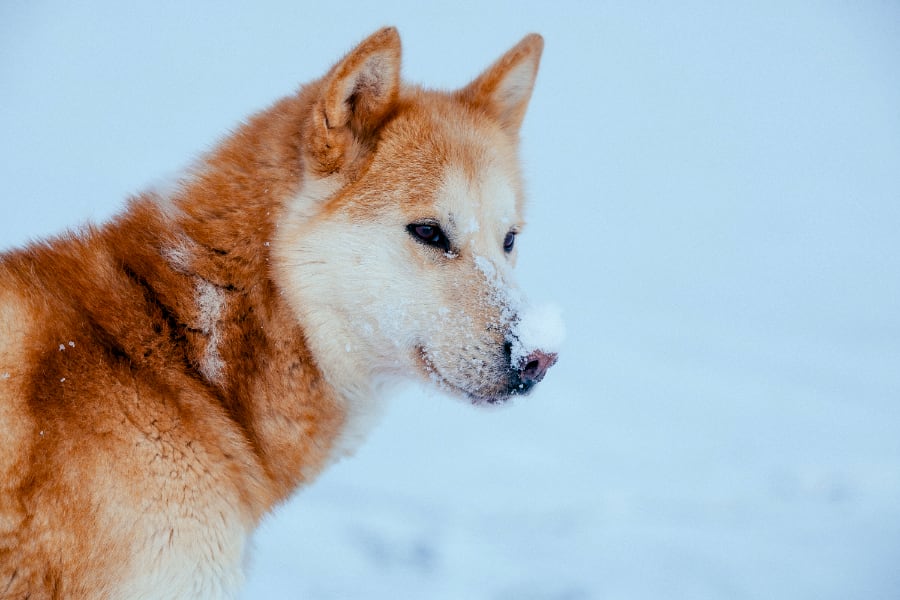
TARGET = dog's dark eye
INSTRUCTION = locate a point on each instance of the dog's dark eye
(429, 234)
(509, 241)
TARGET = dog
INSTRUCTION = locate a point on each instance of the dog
(170, 376)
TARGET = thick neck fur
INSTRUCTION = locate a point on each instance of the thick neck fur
(239, 335)
(178, 288)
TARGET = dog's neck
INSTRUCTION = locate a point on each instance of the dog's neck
(203, 257)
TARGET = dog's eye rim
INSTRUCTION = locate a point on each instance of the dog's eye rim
(430, 234)
(509, 241)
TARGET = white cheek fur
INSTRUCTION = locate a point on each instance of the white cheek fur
(371, 303)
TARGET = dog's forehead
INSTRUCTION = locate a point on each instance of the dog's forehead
(436, 160)
(483, 197)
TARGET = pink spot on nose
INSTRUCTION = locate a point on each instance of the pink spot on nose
(536, 365)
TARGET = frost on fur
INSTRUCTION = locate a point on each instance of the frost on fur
(210, 302)
(539, 327)
(532, 327)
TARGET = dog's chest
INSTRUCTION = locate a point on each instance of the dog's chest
(201, 557)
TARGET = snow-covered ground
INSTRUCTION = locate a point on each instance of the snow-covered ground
(716, 206)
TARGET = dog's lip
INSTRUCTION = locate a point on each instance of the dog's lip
(436, 376)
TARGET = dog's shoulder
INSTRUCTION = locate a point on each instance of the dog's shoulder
(114, 452)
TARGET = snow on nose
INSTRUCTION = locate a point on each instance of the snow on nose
(534, 344)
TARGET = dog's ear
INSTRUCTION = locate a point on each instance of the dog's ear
(355, 97)
(504, 89)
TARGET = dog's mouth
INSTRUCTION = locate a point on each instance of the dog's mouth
(441, 382)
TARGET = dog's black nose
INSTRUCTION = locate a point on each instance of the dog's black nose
(530, 371)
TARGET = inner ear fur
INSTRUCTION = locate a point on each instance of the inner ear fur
(355, 97)
(504, 89)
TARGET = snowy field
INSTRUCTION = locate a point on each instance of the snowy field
(715, 203)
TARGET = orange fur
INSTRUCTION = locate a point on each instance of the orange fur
(158, 393)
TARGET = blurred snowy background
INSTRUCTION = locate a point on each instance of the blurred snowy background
(715, 202)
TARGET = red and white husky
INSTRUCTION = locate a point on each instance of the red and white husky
(169, 377)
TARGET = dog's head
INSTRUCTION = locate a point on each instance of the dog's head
(397, 254)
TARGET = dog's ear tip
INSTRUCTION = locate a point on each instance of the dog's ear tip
(388, 33)
(384, 39)
(505, 88)
(532, 46)
(534, 41)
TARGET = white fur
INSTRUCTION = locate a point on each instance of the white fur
(210, 302)
(330, 281)
(308, 201)
(516, 87)
(179, 255)
(312, 262)
(188, 556)
(485, 205)
(191, 539)
(490, 202)
(372, 314)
